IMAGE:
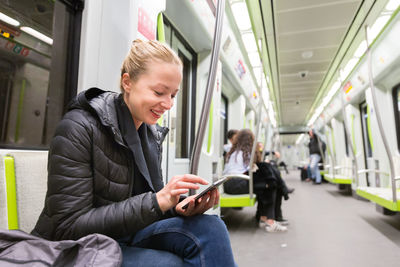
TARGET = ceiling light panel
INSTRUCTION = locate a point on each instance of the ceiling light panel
(239, 10)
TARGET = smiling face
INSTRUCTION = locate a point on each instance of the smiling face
(153, 93)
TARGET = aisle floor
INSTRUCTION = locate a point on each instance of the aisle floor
(327, 228)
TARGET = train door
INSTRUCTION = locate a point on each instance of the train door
(396, 106)
(7, 72)
(354, 119)
(181, 118)
(366, 134)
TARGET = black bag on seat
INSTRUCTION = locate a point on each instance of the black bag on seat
(236, 186)
(18, 248)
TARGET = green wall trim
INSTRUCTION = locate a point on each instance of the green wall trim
(160, 28)
(161, 38)
(369, 127)
(232, 201)
(338, 179)
(11, 190)
(380, 201)
(210, 127)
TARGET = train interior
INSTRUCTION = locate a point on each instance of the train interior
(284, 68)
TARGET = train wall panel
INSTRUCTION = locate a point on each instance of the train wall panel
(31, 187)
(338, 133)
(236, 110)
(378, 151)
(107, 32)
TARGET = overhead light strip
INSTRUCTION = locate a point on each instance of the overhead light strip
(37, 35)
(9, 20)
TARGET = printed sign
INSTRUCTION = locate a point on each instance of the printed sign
(348, 86)
(146, 25)
(240, 70)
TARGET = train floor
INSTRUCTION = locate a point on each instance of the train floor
(328, 227)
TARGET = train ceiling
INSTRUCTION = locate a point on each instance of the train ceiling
(37, 14)
(307, 41)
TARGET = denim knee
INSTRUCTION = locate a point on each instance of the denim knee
(212, 227)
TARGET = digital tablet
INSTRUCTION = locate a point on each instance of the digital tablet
(208, 189)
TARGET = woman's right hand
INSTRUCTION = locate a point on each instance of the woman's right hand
(168, 197)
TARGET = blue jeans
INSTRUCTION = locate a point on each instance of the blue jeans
(315, 174)
(201, 240)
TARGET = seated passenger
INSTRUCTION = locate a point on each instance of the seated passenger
(238, 161)
(231, 139)
(104, 172)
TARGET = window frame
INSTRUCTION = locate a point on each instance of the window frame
(63, 71)
(184, 49)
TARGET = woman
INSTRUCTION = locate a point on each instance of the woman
(104, 171)
(238, 162)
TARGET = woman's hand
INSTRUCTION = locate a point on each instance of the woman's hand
(168, 197)
(202, 204)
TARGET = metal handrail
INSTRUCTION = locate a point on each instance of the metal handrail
(372, 170)
(238, 175)
(342, 167)
(195, 157)
(378, 118)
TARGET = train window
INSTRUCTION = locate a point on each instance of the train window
(185, 102)
(364, 124)
(396, 105)
(34, 72)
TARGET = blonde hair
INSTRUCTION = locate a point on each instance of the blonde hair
(143, 52)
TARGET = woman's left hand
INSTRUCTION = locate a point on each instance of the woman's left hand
(199, 206)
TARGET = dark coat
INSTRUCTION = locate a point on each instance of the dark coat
(314, 145)
(90, 174)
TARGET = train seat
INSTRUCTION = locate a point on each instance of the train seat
(21, 198)
(383, 196)
(342, 173)
(239, 200)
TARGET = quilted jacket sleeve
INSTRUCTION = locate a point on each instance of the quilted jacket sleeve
(71, 185)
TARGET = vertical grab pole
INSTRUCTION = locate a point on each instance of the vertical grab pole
(378, 118)
(349, 140)
(198, 142)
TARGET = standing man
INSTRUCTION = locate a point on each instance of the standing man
(315, 146)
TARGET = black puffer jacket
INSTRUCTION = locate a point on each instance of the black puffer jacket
(314, 145)
(90, 175)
